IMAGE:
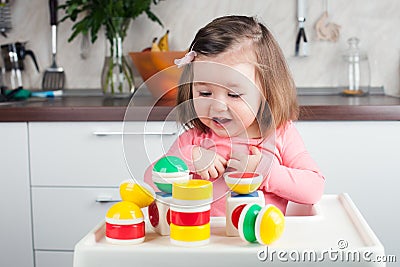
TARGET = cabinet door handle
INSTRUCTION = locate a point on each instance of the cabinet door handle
(106, 199)
(132, 133)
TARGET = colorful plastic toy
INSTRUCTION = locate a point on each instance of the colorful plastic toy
(243, 182)
(262, 224)
(159, 213)
(247, 222)
(194, 217)
(192, 193)
(234, 206)
(139, 193)
(270, 224)
(190, 236)
(125, 224)
(168, 170)
(190, 213)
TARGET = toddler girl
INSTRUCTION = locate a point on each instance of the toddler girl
(237, 101)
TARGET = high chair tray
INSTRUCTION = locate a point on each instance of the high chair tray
(332, 232)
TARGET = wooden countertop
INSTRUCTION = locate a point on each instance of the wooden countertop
(98, 108)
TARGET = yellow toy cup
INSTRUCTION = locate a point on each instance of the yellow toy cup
(192, 192)
(190, 235)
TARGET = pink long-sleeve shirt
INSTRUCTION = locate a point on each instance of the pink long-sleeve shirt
(290, 174)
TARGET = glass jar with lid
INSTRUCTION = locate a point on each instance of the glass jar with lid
(355, 72)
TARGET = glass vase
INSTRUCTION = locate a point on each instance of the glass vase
(117, 77)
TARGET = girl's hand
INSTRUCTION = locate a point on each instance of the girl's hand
(207, 163)
(245, 163)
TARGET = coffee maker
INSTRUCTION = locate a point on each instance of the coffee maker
(13, 56)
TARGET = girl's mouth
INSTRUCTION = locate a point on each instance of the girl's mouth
(220, 122)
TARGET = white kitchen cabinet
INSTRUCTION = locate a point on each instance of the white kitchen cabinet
(15, 205)
(362, 159)
(54, 258)
(62, 215)
(92, 153)
(76, 168)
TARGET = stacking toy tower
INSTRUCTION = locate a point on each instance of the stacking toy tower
(124, 220)
(190, 213)
(166, 171)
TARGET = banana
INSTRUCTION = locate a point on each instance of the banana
(154, 46)
(163, 43)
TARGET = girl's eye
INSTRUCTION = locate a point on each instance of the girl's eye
(204, 93)
(234, 95)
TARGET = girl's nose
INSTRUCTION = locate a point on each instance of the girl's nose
(219, 105)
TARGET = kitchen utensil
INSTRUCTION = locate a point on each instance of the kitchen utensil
(19, 94)
(301, 48)
(13, 55)
(8, 95)
(54, 76)
(5, 17)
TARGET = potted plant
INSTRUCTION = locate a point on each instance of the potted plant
(115, 16)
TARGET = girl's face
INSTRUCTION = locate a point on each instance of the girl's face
(225, 96)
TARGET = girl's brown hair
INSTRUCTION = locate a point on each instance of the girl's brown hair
(272, 72)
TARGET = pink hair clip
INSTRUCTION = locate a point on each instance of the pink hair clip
(180, 62)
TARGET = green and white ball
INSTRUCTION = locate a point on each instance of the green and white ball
(169, 170)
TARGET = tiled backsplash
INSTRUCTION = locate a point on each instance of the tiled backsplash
(374, 22)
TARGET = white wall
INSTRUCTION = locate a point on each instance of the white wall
(375, 22)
